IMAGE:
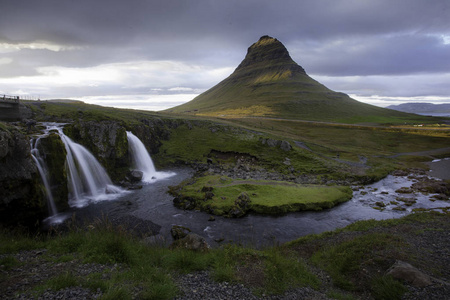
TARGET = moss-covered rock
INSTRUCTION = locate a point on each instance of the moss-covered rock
(107, 141)
(22, 200)
(152, 132)
(54, 153)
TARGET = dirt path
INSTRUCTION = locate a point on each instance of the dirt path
(423, 153)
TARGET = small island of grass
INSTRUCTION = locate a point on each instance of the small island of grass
(220, 195)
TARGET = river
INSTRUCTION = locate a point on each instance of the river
(151, 206)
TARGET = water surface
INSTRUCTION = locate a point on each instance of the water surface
(152, 204)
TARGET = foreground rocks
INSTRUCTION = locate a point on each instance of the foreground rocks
(22, 200)
(185, 239)
(405, 272)
(191, 241)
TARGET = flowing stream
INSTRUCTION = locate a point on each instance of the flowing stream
(43, 171)
(153, 204)
(142, 161)
(88, 180)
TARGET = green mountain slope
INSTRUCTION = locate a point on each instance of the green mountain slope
(268, 83)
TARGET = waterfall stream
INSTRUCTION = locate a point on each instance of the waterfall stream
(43, 171)
(142, 161)
(88, 180)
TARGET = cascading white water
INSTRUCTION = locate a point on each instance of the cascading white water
(140, 158)
(142, 161)
(87, 179)
(43, 171)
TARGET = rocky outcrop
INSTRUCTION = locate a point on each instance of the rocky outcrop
(52, 149)
(179, 232)
(191, 241)
(21, 197)
(406, 272)
(284, 145)
(241, 206)
(134, 176)
(152, 132)
(107, 141)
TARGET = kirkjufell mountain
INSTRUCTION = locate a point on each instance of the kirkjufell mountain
(269, 83)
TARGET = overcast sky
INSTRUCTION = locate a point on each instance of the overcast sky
(154, 54)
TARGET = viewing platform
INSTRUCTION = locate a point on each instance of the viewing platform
(10, 108)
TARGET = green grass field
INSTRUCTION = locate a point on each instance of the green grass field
(221, 195)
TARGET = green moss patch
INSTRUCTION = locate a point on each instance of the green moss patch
(221, 195)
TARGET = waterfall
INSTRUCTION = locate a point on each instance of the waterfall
(142, 161)
(87, 179)
(43, 171)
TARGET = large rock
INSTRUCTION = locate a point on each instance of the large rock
(152, 132)
(53, 151)
(21, 196)
(285, 145)
(179, 232)
(107, 141)
(135, 175)
(241, 206)
(406, 272)
(191, 241)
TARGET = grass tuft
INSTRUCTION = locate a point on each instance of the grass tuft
(386, 287)
(346, 261)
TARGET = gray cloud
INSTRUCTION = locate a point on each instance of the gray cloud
(330, 38)
(377, 55)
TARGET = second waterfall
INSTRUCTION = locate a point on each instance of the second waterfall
(142, 161)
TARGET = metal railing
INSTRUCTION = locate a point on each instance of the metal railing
(11, 98)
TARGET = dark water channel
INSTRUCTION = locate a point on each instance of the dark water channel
(151, 206)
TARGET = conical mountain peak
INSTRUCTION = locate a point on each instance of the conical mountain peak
(268, 83)
(268, 52)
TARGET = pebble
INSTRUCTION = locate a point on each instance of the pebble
(201, 286)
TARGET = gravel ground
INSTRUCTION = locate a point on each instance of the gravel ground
(427, 248)
(200, 286)
(37, 266)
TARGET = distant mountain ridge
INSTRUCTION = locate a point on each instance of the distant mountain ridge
(269, 83)
(422, 107)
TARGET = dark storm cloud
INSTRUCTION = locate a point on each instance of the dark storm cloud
(379, 55)
(328, 38)
(194, 29)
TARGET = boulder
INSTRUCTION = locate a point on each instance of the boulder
(406, 272)
(135, 175)
(241, 206)
(179, 232)
(272, 143)
(209, 195)
(284, 145)
(191, 241)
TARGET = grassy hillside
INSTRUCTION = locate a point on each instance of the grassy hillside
(318, 148)
(268, 83)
